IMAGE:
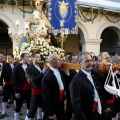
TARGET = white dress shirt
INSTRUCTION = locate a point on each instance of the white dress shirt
(77, 71)
(58, 77)
(38, 67)
(24, 66)
(12, 65)
(1, 64)
(96, 95)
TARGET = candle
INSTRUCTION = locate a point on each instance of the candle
(61, 23)
(9, 31)
(27, 25)
(55, 32)
(36, 14)
(17, 22)
(42, 23)
(66, 31)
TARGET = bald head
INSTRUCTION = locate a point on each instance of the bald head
(54, 61)
(104, 57)
(115, 60)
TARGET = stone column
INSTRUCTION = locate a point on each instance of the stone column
(91, 45)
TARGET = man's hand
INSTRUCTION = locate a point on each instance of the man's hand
(107, 110)
(17, 95)
(1, 88)
(53, 117)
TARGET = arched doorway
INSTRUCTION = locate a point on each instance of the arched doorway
(72, 44)
(5, 41)
(110, 41)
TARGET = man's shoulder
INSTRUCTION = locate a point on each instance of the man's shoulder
(18, 66)
(78, 76)
(48, 73)
(31, 66)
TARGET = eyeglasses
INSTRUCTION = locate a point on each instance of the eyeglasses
(87, 61)
(57, 60)
(107, 58)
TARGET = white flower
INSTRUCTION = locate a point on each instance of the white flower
(46, 53)
(44, 45)
(44, 49)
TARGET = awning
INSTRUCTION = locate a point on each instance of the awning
(108, 4)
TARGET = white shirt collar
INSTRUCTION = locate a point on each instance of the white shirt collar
(38, 67)
(1, 64)
(53, 69)
(12, 65)
(87, 73)
(58, 77)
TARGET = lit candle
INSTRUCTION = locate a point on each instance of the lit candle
(17, 22)
(27, 25)
(55, 32)
(61, 23)
(42, 23)
(66, 31)
(9, 31)
(36, 14)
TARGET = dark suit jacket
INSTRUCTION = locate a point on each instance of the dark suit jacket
(103, 76)
(34, 76)
(82, 95)
(6, 73)
(18, 77)
(51, 95)
(68, 81)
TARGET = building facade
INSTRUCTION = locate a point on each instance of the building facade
(98, 27)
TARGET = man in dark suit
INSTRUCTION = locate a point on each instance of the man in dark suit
(1, 66)
(21, 85)
(7, 89)
(105, 58)
(35, 74)
(53, 87)
(86, 93)
(69, 111)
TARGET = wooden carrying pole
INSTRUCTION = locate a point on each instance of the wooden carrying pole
(100, 67)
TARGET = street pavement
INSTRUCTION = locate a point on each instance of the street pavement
(10, 112)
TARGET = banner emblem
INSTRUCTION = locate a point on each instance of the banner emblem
(63, 9)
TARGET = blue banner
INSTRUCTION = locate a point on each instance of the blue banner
(65, 11)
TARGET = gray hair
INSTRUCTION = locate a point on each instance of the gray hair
(51, 57)
(115, 60)
(80, 55)
(100, 56)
